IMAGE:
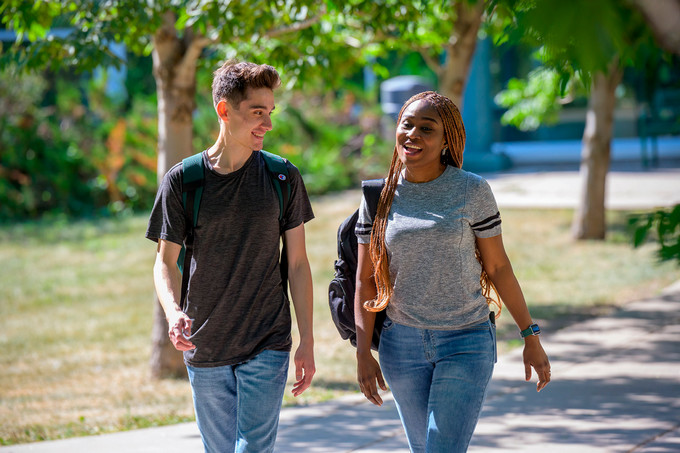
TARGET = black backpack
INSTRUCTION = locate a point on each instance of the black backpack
(193, 179)
(341, 288)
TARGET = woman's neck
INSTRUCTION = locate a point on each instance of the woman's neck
(417, 177)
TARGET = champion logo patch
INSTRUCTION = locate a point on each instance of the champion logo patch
(282, 177)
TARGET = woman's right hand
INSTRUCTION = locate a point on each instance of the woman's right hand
(368, 373)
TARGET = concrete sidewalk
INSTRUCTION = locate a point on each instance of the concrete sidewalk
(616, 388)
(627, 187)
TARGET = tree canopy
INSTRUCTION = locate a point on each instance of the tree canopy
(584, 41)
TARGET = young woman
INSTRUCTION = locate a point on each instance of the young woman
(430, 258)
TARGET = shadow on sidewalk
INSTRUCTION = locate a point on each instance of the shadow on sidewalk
(616, 387)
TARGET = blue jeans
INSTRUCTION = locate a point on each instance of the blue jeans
(438, 379)
(237, 406)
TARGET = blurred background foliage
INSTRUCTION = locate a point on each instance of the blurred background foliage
(665, 223)
(70, 149)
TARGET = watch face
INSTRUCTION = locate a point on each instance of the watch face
(531, 330)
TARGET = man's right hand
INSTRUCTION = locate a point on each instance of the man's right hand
(179, 331)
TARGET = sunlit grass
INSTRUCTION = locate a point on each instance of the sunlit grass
(76, 301)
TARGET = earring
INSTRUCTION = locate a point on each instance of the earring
(444, 151)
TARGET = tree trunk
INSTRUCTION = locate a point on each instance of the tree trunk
(589, 219)
(454, 73)
(174, 67)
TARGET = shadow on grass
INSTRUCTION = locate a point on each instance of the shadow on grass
(64, 230)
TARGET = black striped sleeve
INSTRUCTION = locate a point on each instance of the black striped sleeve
(488, 223)
(363, 228)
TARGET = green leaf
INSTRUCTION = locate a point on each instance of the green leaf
(666, 223)
(640, 235)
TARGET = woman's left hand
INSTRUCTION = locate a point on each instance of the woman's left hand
(535, 356)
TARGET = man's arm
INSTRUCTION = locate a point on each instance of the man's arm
(168, 280)
(300, 278)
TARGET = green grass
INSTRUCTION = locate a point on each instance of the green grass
(76, 301)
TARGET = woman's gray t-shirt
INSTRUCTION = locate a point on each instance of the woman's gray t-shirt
(235, 293)
(430, 239)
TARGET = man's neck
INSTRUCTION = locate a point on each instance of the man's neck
(225, 158)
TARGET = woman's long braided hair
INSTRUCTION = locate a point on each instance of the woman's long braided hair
(454, 134)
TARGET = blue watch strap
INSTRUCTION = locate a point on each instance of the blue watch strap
(531, 330)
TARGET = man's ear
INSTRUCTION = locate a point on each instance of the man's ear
(222, 109)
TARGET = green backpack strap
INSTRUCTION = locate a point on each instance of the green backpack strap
(193, 179)
(278, 173)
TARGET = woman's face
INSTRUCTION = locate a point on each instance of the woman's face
(420, 140)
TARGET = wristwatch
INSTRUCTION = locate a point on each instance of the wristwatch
(531, 330)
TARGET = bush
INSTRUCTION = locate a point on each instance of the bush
(665, 223)
(43, 166)
(76, 157)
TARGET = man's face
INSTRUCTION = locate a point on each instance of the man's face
(248, 124)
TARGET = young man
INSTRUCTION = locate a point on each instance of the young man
(235, 330)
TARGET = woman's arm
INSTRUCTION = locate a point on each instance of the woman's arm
(368, 369)
(498, 268)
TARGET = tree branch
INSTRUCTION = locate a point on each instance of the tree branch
(298, 26)
(195, 43)
(663, 16)
(431, 62)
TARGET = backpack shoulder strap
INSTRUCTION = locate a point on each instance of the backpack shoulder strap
(193, 177)
(372, 188)
(278, 172)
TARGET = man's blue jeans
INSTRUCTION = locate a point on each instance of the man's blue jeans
(237, 406)
(439, 380)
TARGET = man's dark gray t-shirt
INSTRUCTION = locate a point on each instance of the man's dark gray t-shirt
(235, 295)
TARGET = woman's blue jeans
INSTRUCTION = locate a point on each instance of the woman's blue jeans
(439, 380)
(237, 406)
